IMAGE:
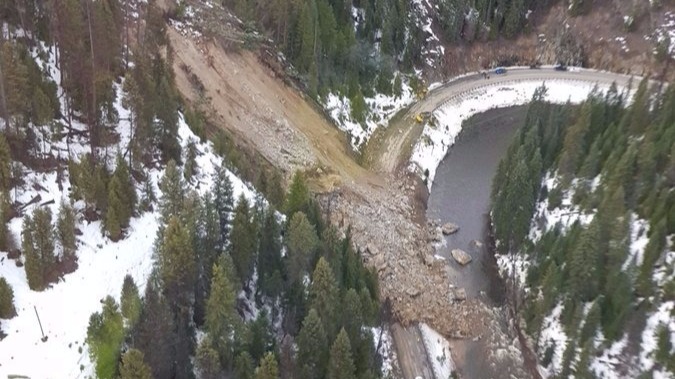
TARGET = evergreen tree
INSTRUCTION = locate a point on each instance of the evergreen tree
(173, 191)
(156, 336)
(312, 343)
(38, 246)
(208, 242)
(261, 337)
(7, 310)
(298, 195)
(208, 361)
(269, 256)
(133, 367)
(341, 363)
(244, 368)
(352, 315)
(220, 312)
(5, 163)
(243, 240)
(584, 270)
(268, 368)
(177, 265)
(664, 346)
(148, 195)
(105, 335)
(130, 301)
(33, 263)
(324, 296)
(302, 241)
(65, 229)
(224, 201)
(114, 218)
(190, 167)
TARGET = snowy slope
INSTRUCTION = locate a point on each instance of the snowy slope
(65, 307)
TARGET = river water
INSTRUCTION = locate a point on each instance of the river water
(461, 194)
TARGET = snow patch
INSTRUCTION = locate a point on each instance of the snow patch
(438, 351)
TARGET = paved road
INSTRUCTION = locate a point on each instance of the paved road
(412, 355)
(390, 149)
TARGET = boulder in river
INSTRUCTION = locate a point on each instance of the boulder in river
(461, 256)
(450, 228)
(459, 294)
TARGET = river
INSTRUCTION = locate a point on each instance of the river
(461, 194)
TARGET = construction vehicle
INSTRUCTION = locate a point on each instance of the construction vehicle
(422, 117)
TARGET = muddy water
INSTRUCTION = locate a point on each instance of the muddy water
(461, 194)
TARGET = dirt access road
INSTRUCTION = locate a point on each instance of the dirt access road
(390, 148)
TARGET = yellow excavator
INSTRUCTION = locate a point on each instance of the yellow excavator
(422, 117)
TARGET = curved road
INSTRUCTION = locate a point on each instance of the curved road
(390, 147)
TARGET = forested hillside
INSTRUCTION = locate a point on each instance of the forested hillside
(113, 202)
(584, 218)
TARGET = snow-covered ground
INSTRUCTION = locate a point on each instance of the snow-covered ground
(65, 307)
(380, 110)
(438, 351)
(436, 139)
(382, 338)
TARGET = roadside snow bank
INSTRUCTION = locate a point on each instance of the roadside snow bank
(438, 351)
(435, 141)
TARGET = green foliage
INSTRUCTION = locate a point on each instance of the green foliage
(133, 367)
(243, 240)
(156, 336)
(5, 164)
(105, 335)
(220, 312)
(341, 363)
(312, 342)
(38, 246)
(173, 192)
(324, 296)
(130, 301)
(190, 168)
(302, 242)
(244, 368)
(6, 300)
(297, 199)
(65, 228)
(208, 360)
(224, 200)
(268, 368)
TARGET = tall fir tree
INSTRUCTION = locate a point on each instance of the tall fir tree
(341, 362)
(220, 312)
(224, 201)
(324, 296)
(7, 309)
(208, 360)
(268, 368)
(297, 199)
(312, 346)
(302, 242)
(130, 301)
(105, 336)
(173, 192)
(5, 163)
(65, 229)
(133, 367)
(243, 240)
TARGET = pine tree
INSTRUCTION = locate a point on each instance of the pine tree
(584, 265)
(297, 199)
(664, 346)
(244, 368)
(269, 255)
(133, 367)
(65, 229)
(7, 310)
(243, 240)
(190, 167)
(130, 301)
(114, 217)
(148, 195)
(33, 264)
(105, 335)
(312, 343)
(156, 336)
(220, 312)
(352, 315)
(173, 192)
(302, 241)
(5, 209)
(341, 363)
(208, 361)
(268, 368)
(208, 242)
(324, 296)
(5, 164)
(261, 337)
(224, 200)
